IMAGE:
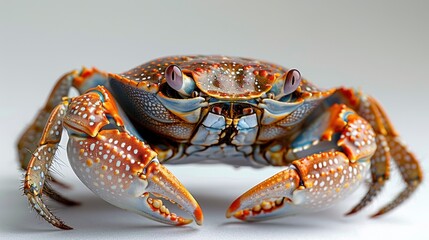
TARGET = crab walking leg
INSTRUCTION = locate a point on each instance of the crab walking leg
(380, 165)
(40, 163)
(380, 161)
(410, 170)
(408, 164)
(28, 140)
(82, 81)
(317, 181)
(389, 146)
(27, 143)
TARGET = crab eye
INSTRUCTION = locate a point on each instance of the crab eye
(178, 81)
(173, 74)
(293, 78)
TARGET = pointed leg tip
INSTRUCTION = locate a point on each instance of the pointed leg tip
(382, 211)
(378, 214)
(354, 210)
(63, 226)
(350, 213)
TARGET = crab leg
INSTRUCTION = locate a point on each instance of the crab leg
(410, 170)
(40, 163)
(380, 161)
(380, 165)
(318, 180)
(27, 142)
(389, 146)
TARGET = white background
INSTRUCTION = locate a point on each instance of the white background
(381, 48)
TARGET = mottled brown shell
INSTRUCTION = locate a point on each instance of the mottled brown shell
(231, 78)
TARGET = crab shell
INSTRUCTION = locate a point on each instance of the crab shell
(224, 78)
(143, 93)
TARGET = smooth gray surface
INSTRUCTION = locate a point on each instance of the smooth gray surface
(380, 47)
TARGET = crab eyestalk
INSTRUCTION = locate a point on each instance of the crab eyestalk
(287, 84)
(179, 81)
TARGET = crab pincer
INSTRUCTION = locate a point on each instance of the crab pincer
(110, 161)
(314, 182)
(163, 185)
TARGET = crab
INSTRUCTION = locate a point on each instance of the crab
(123, 128)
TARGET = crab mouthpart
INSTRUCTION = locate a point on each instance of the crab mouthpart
(163, 185)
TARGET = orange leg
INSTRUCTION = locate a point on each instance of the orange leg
(380, 164)
(389, 146)
(410, 170)
(27, 143)
(40, 163)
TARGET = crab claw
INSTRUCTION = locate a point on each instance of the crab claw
(163, 185)
(274, 197)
